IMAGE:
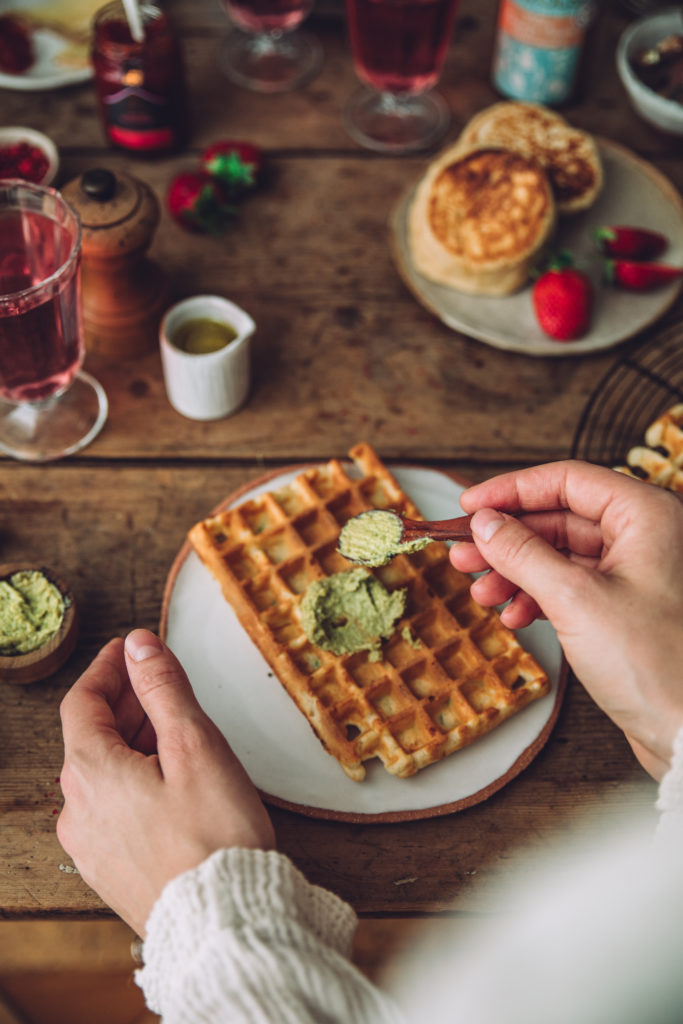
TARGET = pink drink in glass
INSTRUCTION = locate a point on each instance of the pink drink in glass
(41, 346)
(399, 46)
(268, 15)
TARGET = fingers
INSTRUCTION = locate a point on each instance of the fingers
(165, 693)
(579, 540)
(525, 561)
(586, 489)
(87, 714)
(566, 531)
(494, 589)
(521, 611)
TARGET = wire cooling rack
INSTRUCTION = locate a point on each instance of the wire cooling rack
(642, 384)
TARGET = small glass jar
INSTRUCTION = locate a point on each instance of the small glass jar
(140, 85)
(538, 47)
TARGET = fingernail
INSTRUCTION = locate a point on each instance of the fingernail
(141, 644)
(485, 522)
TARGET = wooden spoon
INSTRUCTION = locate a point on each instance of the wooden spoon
(436, 529)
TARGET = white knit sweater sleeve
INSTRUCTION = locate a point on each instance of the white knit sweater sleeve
(245, 938)
(670, 800)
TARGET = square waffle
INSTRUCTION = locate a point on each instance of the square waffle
(660, 460)
(449, 673)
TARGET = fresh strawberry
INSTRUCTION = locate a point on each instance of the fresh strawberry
(631, 243)
(640, 277)
(16, 45)
(563, 300)
(197, 202)
(237, 165)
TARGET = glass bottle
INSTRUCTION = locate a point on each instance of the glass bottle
(538, 46)
(140, 85)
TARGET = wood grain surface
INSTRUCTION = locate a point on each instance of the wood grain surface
(343, 353)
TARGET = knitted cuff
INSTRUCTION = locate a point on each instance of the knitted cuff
(670, 800)
(233, 890)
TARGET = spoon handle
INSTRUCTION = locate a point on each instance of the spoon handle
(439, 529)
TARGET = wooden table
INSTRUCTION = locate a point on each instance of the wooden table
(343, 353)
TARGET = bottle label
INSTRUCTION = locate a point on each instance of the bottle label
(138, 119)
(538, 48)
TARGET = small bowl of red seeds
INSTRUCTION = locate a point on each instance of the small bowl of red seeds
(27, 154)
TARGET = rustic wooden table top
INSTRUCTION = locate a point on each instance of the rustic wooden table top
(343, 353)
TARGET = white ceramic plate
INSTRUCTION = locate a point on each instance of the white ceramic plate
(47, 71)
(634, 193)
(283, 757)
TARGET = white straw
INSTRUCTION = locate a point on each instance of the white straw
(134, 20)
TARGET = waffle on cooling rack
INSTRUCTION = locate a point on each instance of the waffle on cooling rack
(449, 673)
(660, 460)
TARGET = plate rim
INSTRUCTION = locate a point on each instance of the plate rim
(523, 760)
(404, 267)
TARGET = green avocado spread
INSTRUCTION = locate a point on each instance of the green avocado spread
(374, 537)
(31, 612)
(351, 611)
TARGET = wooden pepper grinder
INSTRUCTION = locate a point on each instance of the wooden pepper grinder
(124, 292)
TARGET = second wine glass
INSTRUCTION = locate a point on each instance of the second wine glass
(265, 51)
(398, 48)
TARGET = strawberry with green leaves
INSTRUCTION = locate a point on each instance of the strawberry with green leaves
(235, 164)
(197, 203)
(630, 243)
(632, 276)
(562, 298)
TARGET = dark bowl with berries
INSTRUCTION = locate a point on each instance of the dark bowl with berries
(27, 154)
(650, 65)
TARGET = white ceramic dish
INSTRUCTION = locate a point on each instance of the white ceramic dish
(273, 739)
(213, 384)
(10, 135)
(663, 113)
(635, 193)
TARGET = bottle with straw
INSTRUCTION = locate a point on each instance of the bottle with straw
(139, 79)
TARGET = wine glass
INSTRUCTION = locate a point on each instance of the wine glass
(48, 406)
(398, 49)
(265, 52)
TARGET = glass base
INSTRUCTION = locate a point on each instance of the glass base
(391, 123)
(59, 426)
(271, 63)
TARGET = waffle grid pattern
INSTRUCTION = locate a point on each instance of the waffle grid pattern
(450, 672)
(660, 460)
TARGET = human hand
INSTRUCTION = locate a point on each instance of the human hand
(601, 556)
(151, 787)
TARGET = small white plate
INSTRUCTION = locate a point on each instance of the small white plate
(634, 193)
(46, 72)
(274, 741)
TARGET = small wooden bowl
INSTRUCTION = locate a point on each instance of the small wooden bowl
(43, 662)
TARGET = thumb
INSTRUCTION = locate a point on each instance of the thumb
(159, 680)
(530, 562)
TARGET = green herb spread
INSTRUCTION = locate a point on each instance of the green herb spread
(374, 538)
(351, 611)
(31, 612)
(413, 641)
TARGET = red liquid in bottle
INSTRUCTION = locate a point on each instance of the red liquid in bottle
(41, 346)
(400, 45)
(268, 15)
(140, 85)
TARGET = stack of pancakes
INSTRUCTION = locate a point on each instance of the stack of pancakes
(487, 206)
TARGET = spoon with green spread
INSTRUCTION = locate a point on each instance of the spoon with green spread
(376, 536)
